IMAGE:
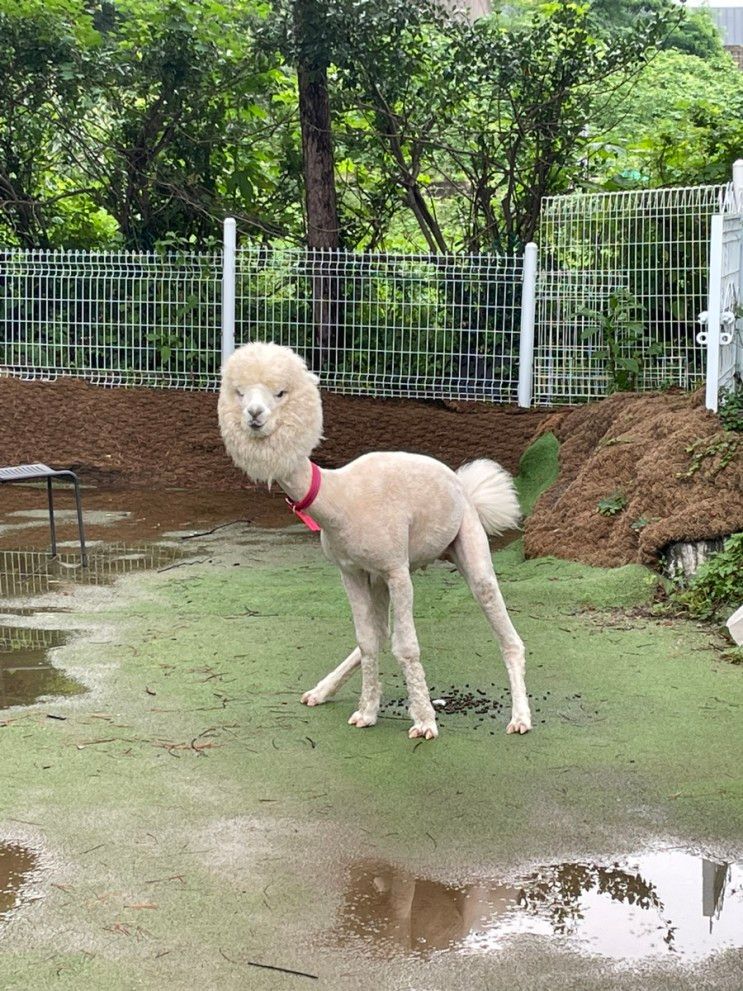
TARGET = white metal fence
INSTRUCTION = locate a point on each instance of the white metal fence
(620, 283)
(722, 322)
(114, 318)
(388, 325)
(626, 272)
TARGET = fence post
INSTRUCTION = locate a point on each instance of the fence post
(712, 332)
(526, 338)
(738, 184)
(229, 243)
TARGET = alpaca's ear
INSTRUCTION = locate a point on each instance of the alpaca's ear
(315, 379)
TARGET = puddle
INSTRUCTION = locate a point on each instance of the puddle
(133, 516)
(26, 573)
(17, 864)
(26, 676)
(664, 904)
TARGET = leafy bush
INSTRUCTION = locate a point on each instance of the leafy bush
(613, 504)
(731, 409)
(622, 335)
(717, 585)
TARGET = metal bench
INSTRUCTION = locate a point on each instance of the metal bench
(28, 473)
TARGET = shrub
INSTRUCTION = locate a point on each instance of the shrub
(731, 409)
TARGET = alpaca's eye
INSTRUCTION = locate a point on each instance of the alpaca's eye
(239, 393)
(280, 393)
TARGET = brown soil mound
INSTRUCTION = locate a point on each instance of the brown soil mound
(636, 446)
(167, 437)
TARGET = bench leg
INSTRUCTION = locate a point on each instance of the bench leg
(52, 527)
(80, 527)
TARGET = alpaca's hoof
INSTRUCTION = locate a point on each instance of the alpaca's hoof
(427, 730)
(361, 720)
(313, 697)
(519, 724)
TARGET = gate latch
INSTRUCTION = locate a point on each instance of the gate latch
(727, 320)
(702, 321)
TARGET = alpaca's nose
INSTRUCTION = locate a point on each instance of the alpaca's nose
(255, 411)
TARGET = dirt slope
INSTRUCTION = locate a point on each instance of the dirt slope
(166, 437)
(636, 446)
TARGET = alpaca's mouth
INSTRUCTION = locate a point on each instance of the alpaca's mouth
(259, 428)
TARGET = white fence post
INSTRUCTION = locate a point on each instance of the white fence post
(711, 336)
(738, 183)
(228, 287)
(526, 338)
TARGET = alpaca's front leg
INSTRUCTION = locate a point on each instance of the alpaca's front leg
(368, 638)
(330, 684)
(407, 652)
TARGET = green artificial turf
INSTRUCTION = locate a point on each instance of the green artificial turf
(195, 815)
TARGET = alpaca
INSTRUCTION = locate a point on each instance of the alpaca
(382, 516)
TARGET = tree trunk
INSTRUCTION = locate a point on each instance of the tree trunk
(322, 211)
(317, 151)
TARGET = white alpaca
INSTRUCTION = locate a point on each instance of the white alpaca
(382, 516)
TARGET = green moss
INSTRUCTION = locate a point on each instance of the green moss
(538, 469)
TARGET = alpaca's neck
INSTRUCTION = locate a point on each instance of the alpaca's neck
(327, 508)
(296, 485)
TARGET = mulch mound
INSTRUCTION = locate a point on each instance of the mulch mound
(159, 437)
(636, 447)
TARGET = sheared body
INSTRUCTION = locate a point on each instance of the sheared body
(382, 516)
(405, 534)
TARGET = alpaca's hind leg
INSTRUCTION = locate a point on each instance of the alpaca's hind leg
(471, 554)
(329, 685)
(369, 639)
(406, 650)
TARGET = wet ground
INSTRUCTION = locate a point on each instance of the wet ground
(17, 867)
(26, 672)
(171, 817)
(127, 530)
(130, 516)
(663, 904)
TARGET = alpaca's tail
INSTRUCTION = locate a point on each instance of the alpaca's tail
(491, 490)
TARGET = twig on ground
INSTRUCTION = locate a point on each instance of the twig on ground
(268, 966)
(205, 533)
(183, 564)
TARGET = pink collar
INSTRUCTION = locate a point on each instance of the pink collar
(298, 507)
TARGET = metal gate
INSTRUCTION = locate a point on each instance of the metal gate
(722, 321)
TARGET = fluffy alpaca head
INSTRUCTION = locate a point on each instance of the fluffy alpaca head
(270, 414)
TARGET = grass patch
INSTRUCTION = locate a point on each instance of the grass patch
(538, 470)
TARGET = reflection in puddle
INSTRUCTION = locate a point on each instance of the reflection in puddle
(666, 903)
(24, 573)
(26, 676)
(25, 672)
(16, 866)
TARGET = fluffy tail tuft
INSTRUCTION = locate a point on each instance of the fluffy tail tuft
(491, 490)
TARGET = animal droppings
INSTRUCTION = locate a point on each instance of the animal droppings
(457, 702)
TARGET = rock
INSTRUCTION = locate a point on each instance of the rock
(735, 625)
(684, 558)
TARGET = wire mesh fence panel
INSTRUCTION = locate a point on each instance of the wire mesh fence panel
(623, 278)
(114, 318)
(388, 325)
